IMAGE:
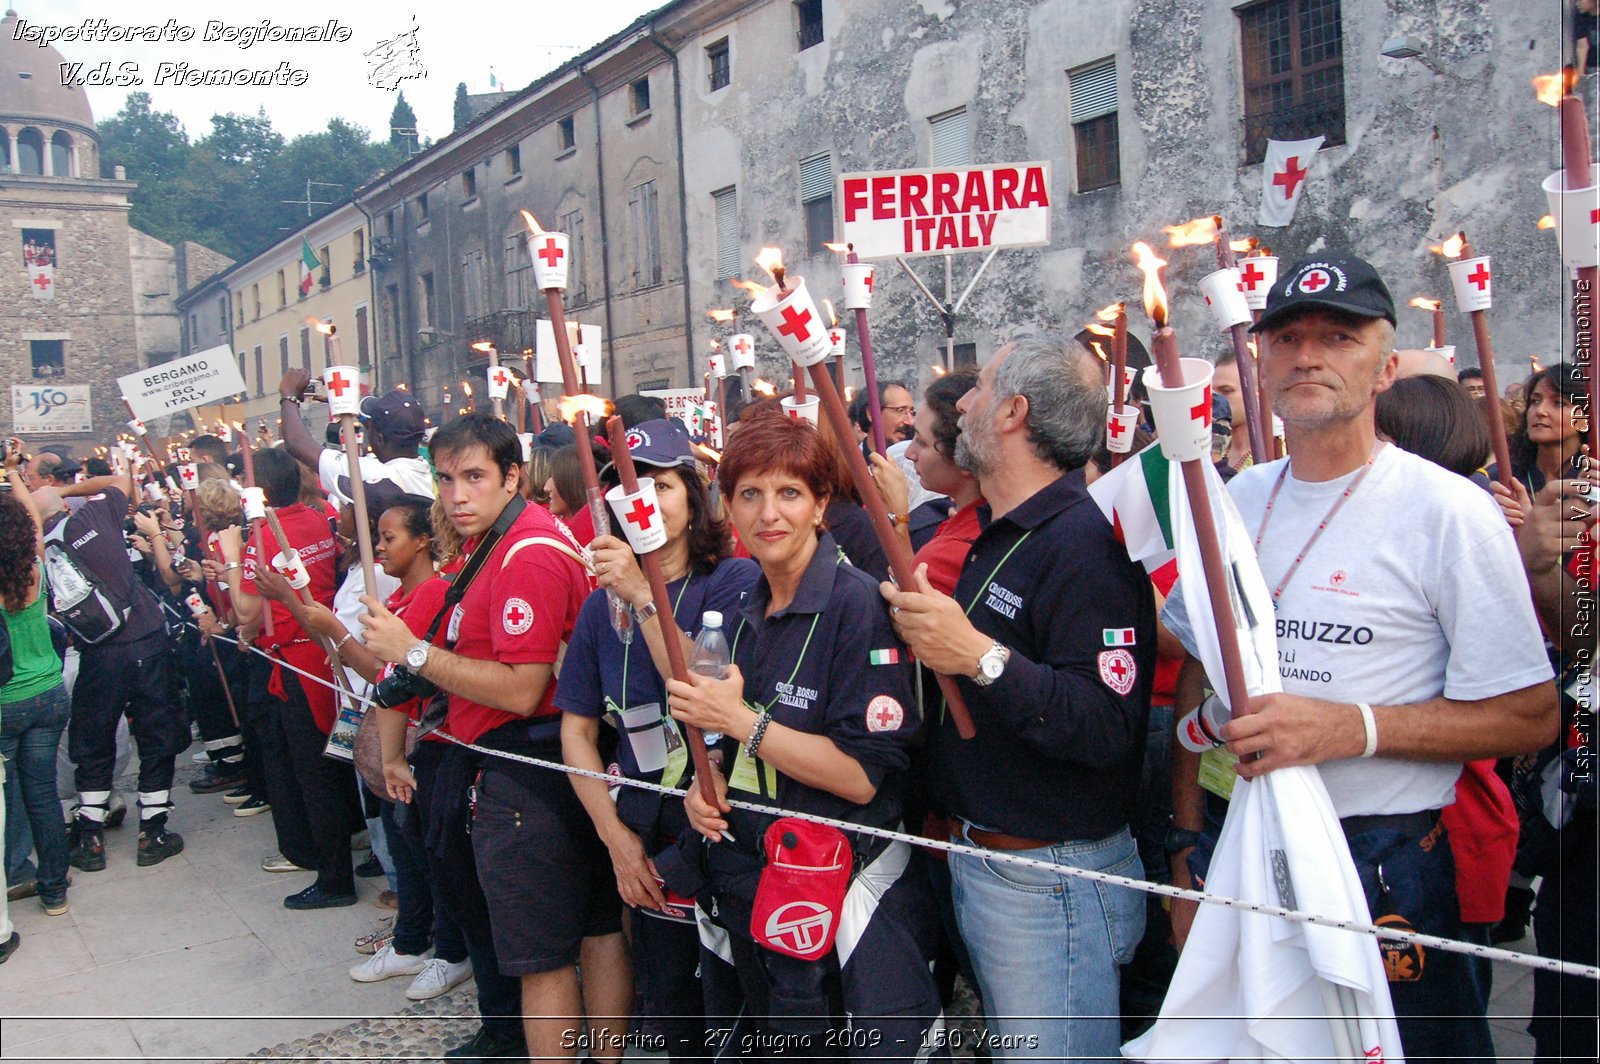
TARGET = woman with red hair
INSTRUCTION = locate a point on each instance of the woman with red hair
(816, 715)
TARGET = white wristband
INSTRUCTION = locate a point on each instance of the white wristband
(1370, 725)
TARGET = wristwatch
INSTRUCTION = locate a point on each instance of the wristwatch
(417, 656)
(1180, 839)
(991, 665)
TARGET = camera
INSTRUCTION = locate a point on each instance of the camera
(400, 687)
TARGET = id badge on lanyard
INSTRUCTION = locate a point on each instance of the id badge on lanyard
(751, 774)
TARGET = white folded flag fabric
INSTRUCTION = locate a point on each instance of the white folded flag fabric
(1252, 987)
(1283, 178)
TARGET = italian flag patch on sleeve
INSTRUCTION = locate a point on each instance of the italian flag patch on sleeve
(1118, 637)
(883, 657)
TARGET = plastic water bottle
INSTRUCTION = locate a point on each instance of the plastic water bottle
(710, 656)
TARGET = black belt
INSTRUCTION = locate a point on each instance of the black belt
(1412, 824)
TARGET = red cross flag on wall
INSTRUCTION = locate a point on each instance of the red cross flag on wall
(1283, 178)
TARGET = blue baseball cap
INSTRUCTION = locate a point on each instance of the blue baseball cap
(661, 444)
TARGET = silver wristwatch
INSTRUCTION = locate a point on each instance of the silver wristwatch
(991, 665)
(417, 656)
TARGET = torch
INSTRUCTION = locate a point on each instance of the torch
(344, 403)
(647, 534)
(1575, 208)
(788, 311)
(1180, 398)
(1121, 419)
(499, 379)
(858, 297)
(1436, 307)
(1469, 276)
(835, 343)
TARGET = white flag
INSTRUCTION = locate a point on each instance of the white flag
(42, 280)
(1283, 178)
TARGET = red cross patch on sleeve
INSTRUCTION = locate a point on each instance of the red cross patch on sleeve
(884, 713)
(518, 616)
(1118, 670)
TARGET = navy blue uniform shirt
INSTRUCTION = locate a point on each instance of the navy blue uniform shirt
(1060, 736)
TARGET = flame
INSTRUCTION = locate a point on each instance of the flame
(1110, 311)
(1155, 296)
(938, 370)
(533, 223)
(1422, 303)
(1099, 352)
(849, 393)
(716, 345)
(571, 405)
(771, 260)
(833, 319)
(1547, 222)
(835, 247)
(1450, 249)
(722, 315)
(763, 387)
(1198, 231)
(750, 288)
(1248, 244)
(1099, 330)
(466, 389)
(484, 346)
(1549, 88)
(324, 327)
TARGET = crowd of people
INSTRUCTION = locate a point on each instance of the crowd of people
(1430, 662)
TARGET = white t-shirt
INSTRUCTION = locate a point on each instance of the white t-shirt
(411, 474)
(1414, 590)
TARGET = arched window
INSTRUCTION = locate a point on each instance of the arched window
(61, 155)
(30, 152)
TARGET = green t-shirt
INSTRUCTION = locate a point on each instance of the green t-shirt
(37, 666)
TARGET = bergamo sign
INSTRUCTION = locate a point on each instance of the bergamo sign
(209, 377)
(904, 213)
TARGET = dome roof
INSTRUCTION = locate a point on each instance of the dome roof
(30, 87)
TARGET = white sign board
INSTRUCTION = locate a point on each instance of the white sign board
(50, 409)
(681, 402)
(904, 213)
(209, 377)
(547, 363)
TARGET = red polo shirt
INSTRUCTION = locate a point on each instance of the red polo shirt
(517, 612)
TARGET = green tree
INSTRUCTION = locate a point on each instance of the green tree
(403, 118)
(154, 148)
(463, 107)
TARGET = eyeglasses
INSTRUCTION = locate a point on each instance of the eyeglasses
(903, 411)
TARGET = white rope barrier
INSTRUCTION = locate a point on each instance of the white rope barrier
(1488, 953)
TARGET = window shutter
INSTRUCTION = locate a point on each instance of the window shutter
(816, 177)
(951, 145)
(726, 203)
(1094, 91)
(652, 235)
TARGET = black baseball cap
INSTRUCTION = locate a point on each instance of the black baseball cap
(661, 444)
(1336, 280)
(396, 416)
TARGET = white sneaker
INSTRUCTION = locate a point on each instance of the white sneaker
(279, 863)
(386, 964)
(438, 977)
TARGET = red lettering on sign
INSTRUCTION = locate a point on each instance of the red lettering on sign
(913, 194)
(1005, 189)
(1033, 190)
(976, 195)
(985, 227)
(882, 197)
(947, 237)
(855, 197)
(944, 193)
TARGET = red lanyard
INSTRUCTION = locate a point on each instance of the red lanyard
(1315, 535)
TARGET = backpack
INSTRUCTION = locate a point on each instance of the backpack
(8, 663)
(79, 598)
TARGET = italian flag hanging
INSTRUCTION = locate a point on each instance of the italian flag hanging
(1136, 498)
(309, 265)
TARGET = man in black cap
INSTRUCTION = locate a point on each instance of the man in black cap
(395, 427)
(1383, 567)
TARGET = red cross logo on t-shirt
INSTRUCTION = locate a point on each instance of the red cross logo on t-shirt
(551, 253)
(796, 325)
(1251, 274)
(337, 384)
(1314, 281)
(640, 515)
(1289, 177)
(1479, 278)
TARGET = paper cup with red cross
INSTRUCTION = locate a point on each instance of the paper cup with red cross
(836, 342)
(1129, 375)
(640, 516)
(181, 454)
(858, 286)
(254, 501)
(152, 491)
(138, 427)
(1259, 273)
(526, 438)
(344, 395)
(1447, 352)
(499, 382)
(742, 351)
(291, 568)
(1120, 424)
(530, 391)
(1471, 280)
(794, 320)
(1224, 294)
(719, 368)
(805, 409)
(1577, 215)
(551, 255)
(189, 476)
(196, 604)
(1183, 414)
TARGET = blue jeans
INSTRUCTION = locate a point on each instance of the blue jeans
(30, 731)
(1046, 946)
